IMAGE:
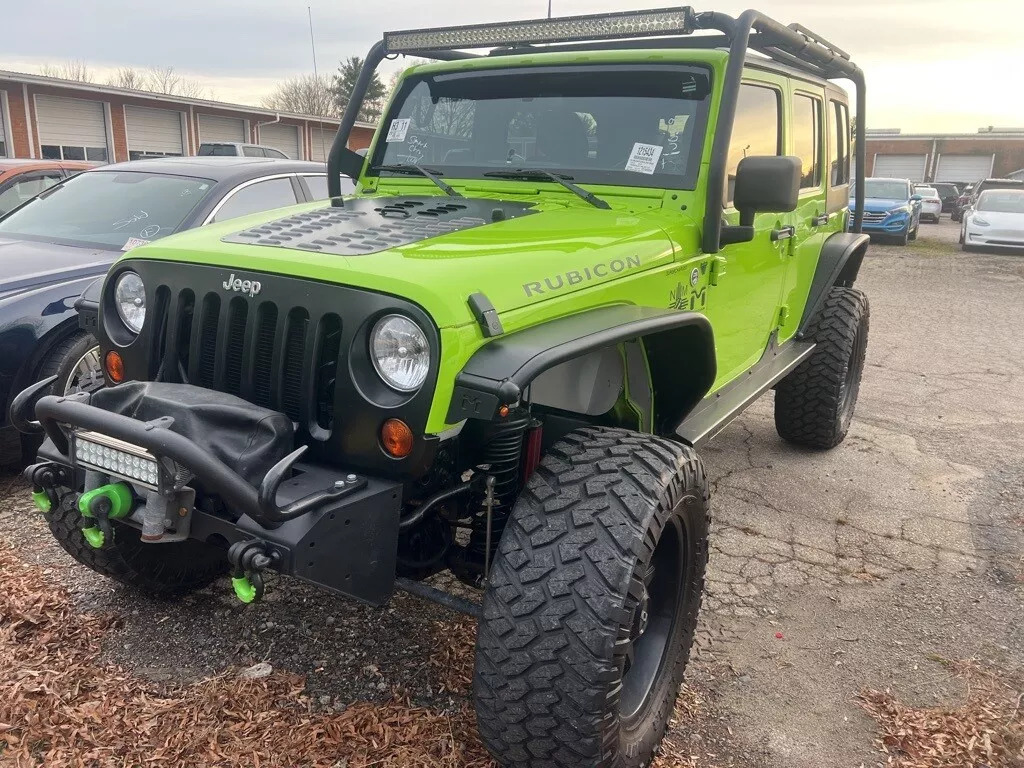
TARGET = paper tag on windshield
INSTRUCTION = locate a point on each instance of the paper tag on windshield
(644, 158)
(398, 129)
(133, 242)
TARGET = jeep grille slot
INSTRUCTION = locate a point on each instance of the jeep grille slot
(327, 349)
(292, 368)
(207, 341)
(238, 311)
(183, 327)
(263, 355)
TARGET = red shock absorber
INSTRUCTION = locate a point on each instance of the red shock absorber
(531, 452)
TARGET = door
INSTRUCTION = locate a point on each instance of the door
(284, 138)
(71, 129)
(153, 132)
(964, 168)
(812, 219)
(217, 128)
(900, 167)
(744, 306)
(321, 144)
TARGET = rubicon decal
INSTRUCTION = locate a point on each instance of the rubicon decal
(562, 280)
(237, 284)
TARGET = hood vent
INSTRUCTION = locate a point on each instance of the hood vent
(372, 224)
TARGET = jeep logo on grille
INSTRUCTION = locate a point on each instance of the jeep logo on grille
(251, 287)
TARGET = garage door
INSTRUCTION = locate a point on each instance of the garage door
(216, 128)
(153, 132)
(964, 167)
(321, 146)
(900, 166)
(71, 129)
(284, 138)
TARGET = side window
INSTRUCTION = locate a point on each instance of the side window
(807, 139)
(756, 130)
(25, 189)
(261, 196)
(317, 186)
(252, 152)
(274, 153)
(839, 154)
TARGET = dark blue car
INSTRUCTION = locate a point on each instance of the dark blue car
(891, 209)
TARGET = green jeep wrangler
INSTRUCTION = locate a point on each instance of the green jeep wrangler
(568, 263)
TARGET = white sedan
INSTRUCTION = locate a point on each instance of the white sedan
(995, 220)
(931, 203)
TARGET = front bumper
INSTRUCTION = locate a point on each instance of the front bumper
(995, 238)
(335, 529)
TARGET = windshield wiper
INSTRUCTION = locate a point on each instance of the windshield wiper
(420, 171)
(541, 173)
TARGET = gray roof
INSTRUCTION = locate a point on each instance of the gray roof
(216, 168)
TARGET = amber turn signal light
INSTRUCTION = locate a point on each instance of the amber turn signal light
(396, 437)
(115, 366)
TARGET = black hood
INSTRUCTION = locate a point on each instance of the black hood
(29, 264)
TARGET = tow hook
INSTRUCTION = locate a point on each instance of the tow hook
(103, 504)
(44, 479)
(248, 561)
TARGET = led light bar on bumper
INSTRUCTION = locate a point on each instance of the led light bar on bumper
(602, 26)
(111, 456)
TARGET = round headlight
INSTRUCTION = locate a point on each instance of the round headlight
(130, 298)
(400, 352)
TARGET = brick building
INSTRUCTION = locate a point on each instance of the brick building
(989, 153)
(52, 118)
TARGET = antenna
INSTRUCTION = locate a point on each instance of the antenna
(549, 9)
(316, 77)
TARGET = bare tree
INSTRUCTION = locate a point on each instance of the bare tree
(129, 77)
(166, 80)
(306, 95)
(68, 70)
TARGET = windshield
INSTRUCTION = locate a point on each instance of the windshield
(631, 124)
(111, 210)
(1010, 201)
(889, 189)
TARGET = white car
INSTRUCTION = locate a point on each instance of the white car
(996, 219)
(931, 203)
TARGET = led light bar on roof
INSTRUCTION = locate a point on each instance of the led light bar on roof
(604, 26)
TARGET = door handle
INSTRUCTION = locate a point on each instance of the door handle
(820, 221)
(784, 233)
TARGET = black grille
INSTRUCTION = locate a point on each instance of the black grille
(256, 350)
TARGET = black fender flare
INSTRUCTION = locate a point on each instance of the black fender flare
(88, 305)
(838, 264)
(677, 343)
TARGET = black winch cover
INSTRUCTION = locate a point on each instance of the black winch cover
(246, 437)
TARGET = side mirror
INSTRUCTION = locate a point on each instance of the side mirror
(766, 185)
(916, 198)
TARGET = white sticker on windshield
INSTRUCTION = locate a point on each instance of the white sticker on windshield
(398, 129)
(644, 158)
(133, 242)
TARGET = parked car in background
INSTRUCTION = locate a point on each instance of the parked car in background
(238, 149)
(892, 209)
(970, 196)
(995, 220)
(948, 193)
(931, 203)
(59, 242)
(21, 180)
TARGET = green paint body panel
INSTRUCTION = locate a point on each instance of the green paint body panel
(532, 268)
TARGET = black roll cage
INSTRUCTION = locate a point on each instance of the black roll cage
(794, 46)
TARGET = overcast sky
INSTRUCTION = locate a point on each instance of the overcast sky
(932, 65)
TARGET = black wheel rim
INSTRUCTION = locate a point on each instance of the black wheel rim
(654, 619)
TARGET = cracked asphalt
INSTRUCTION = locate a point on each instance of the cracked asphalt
(830, 571)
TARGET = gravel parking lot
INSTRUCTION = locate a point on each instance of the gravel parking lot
(881, 565)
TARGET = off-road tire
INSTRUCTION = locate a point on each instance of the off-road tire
(814, 404)
(563, 597)
(163, 570)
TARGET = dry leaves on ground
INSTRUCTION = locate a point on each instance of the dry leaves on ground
(986, 731)
(60, 706)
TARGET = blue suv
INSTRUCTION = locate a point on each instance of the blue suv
(891, 209)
